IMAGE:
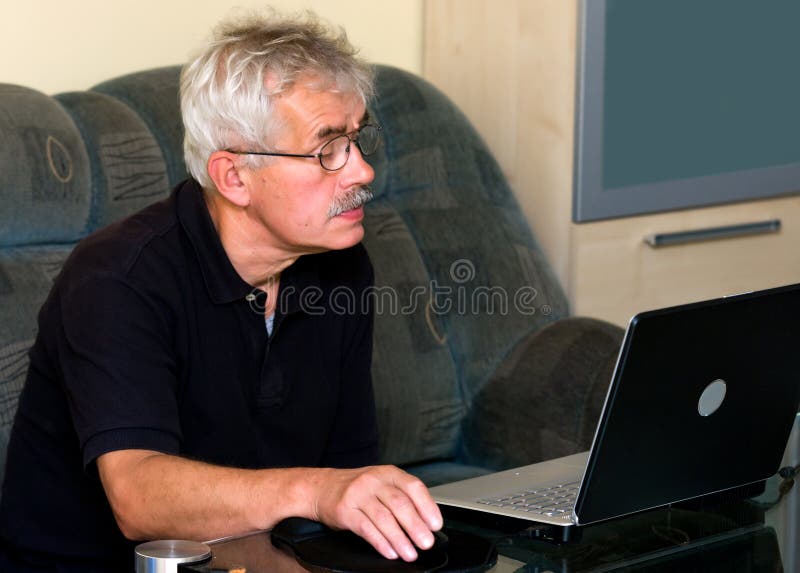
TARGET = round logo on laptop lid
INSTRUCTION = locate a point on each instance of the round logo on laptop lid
(712, 397)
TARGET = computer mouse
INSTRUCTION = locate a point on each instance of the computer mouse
(440, 540)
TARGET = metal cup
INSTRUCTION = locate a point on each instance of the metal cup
(165, 555)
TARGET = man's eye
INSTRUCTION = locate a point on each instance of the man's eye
(334, 147)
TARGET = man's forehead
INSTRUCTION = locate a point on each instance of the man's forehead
(320, 110)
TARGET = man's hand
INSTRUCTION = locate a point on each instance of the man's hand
(383, 504)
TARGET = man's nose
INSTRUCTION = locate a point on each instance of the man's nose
(357, 170)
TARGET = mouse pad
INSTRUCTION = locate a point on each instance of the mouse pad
(319, 548)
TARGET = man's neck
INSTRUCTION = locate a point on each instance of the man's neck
(254, 254)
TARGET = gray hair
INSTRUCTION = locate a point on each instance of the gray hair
(227, 90)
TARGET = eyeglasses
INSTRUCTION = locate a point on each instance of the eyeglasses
(335, 153)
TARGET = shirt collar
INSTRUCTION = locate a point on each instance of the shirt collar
(223, 283)
(300, 285)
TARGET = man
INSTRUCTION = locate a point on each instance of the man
(181, 386)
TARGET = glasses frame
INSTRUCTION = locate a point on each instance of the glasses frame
(352, 138)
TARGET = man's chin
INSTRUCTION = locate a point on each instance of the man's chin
(350, 237)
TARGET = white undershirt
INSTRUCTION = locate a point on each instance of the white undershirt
(270, 321)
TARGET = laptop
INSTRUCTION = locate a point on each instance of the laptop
(701, 401)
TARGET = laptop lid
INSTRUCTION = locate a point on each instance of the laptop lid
(703, 399)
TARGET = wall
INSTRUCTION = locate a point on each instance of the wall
(55, 46)
(511, 72)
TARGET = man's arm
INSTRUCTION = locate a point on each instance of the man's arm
(160, 496)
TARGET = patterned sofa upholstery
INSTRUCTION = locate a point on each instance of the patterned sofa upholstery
(476, 366)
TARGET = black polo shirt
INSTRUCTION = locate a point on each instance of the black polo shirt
(151, 340)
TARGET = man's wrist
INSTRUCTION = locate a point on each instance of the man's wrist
(300, 492)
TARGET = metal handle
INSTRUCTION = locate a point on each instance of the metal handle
(712, 233)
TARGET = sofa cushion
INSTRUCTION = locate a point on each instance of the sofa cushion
(418, 400)
(128, 168)
(153, 95)
(44, 170)
(437, 473)
(559, 376)
(26, 276)
(493, 282)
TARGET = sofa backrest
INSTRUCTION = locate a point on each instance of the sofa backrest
(447, 234)
(455, 262)
(70, 164)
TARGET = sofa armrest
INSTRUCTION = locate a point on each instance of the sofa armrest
(545, 398)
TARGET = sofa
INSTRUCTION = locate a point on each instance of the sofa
(477, 364)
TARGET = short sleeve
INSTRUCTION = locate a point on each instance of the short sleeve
(118, 367)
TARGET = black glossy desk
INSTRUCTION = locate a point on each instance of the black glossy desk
(729, 538)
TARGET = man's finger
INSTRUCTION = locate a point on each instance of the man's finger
(366, 529)
(426, 507)
(385, 521)
(405, 512)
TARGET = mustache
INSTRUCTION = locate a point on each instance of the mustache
(352, 200)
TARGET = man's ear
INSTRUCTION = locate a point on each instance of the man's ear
(224, 173)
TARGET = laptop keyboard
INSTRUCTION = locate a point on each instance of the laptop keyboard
(550, 501)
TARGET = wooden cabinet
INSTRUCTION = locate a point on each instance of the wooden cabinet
(510, 66)
(615, 273)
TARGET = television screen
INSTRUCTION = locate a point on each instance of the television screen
(684, 103)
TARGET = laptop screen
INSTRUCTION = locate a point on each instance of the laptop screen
(703, 398)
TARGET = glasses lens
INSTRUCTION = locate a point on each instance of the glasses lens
(368, 139)
(333, 154)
